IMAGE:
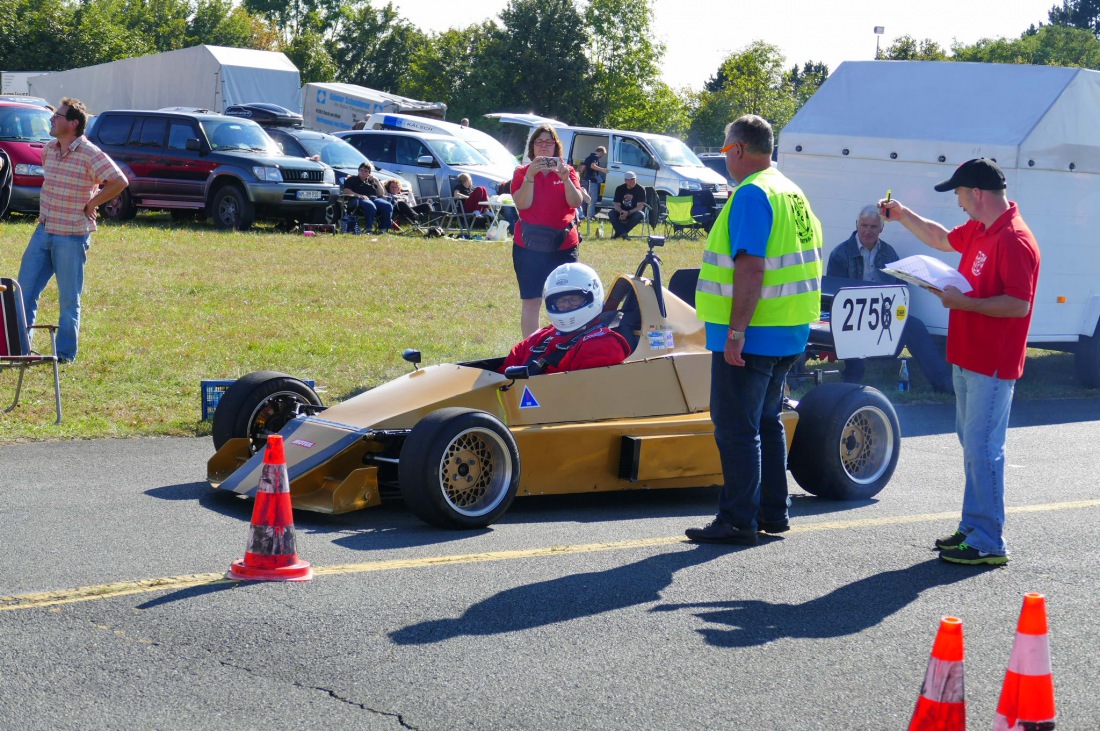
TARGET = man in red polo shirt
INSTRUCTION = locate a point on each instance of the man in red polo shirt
(986, 342)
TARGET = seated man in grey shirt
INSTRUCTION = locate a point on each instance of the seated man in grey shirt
(863, 256)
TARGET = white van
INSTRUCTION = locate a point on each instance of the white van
(411, 154)
(662, 162)
(487, 145)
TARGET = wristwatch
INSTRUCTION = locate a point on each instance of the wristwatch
(736, 334)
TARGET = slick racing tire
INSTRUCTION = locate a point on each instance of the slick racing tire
(459, 468)
(260, 404)
(846, 443)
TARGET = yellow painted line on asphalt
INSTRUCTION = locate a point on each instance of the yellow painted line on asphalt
(177, 583)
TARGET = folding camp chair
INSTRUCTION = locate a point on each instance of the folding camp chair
(15, 342)
(456, 210)
(429, 193)
(652, 211)
(679, 220)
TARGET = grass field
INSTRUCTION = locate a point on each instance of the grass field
(166, 306)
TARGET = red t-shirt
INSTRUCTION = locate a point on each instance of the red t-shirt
(601, 347)
(1003, 259)
(548, 207)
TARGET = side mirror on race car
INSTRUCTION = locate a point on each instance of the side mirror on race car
(517, 373)
(411, 355)
(656, 241)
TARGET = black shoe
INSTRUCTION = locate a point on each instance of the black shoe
(967, 554)
(767, 526)
(719, 531)
(954, 540)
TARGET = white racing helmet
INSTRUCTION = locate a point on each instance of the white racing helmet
(573, 279)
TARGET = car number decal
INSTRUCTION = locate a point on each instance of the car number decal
(528, 401)
(867, 321)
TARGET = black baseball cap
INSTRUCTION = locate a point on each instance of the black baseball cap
(980, 173)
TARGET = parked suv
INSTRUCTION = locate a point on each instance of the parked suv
(223, 167)
(24, 131)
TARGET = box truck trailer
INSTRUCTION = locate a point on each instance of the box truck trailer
(335, 107)
(904, 126)
(200, 77)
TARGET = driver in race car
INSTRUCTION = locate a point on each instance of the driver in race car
(577, 338)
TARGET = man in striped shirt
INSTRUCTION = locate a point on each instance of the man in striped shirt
(79, 177)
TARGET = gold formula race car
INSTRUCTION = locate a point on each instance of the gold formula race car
(458, 442)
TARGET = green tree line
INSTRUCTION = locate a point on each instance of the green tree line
(582, 61)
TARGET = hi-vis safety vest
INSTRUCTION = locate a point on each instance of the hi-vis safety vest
(791, 291)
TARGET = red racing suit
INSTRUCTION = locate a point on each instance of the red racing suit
(600, 346)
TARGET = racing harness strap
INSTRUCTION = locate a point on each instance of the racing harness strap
(541, 360)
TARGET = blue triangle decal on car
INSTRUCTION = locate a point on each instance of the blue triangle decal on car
(528, 401)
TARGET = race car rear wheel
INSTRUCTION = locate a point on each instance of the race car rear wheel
(846, 442)
(459, 468)
(259, 404)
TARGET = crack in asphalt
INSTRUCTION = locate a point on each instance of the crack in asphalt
(332, 694)
(397, 716)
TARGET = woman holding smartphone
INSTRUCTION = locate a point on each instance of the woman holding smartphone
(546, 192)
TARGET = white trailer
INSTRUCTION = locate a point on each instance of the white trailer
(204, 77)
(16, 82)
(904, 126)
(336, 107)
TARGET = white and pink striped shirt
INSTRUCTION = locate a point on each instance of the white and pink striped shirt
(72, 178)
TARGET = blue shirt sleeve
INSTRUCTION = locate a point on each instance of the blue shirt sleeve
(750, 222)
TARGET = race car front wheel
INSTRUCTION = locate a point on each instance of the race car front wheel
(459, 468)
(259, 404)
(846, 443)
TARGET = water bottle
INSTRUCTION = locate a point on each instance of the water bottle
(903, 376)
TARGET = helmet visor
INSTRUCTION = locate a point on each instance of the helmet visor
(571, 299)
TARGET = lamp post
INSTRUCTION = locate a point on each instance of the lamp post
(879, 30)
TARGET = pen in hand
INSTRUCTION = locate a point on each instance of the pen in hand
(886, 211)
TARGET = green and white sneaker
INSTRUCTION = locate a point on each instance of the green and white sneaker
(967, 554)
(954, 540)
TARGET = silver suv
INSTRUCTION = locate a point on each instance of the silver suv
(225, 168)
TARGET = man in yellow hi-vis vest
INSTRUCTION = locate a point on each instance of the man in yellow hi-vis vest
(759, 289)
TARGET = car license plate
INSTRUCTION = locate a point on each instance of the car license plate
(309, 195)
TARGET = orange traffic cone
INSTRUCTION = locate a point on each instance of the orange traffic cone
(271, 554)
(941, 705)
(1027, 699)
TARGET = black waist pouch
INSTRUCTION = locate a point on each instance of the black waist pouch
(543, 238)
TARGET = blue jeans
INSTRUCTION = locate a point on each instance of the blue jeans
(48, 255)
(982, 405)
(745, 402)
(593, 188)
(371, 209)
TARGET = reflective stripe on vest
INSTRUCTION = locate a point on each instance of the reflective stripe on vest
(790, 293)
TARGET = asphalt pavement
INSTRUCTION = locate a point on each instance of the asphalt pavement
(572, 612)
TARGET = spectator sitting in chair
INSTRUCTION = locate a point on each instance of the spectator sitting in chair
(576, 338)
(405, 206)
(629, 206)
(365, 194)
(471, 197)
(863, 256)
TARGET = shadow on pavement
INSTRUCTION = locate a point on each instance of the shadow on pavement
(921, 420)
(559, 600)
(845, 611)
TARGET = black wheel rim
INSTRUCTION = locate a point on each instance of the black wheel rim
(271, 415)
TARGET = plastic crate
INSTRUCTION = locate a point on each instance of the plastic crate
(212, 393)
